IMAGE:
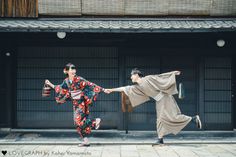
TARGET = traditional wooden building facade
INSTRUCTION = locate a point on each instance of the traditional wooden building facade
(105, 41)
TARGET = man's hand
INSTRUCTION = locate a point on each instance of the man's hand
(177, 72)
(107, 91)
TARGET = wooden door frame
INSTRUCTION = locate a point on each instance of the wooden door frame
(233, 85)
(10, 81)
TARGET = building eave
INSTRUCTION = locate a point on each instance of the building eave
(118, 25)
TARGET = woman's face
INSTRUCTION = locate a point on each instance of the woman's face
(72, 71)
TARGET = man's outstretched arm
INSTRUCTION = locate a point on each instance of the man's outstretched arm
(119, 89)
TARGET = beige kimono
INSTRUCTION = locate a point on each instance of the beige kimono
(161, 88)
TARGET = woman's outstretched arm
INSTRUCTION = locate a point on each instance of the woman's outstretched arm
(62, 91)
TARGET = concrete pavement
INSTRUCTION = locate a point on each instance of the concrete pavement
(168, 150)
(113, 137)
(113, 143)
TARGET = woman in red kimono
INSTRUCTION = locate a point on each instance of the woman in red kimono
(83, 94)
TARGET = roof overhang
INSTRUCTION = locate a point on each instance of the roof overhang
(125, 25)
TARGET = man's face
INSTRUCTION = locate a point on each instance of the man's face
(134, 78)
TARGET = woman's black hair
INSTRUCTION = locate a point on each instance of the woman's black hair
(67, 67)
(137, 71)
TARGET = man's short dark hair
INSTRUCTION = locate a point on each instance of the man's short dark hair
(137, 71)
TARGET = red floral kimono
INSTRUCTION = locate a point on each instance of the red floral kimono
(88, 95)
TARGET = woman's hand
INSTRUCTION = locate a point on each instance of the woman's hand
(47, 82)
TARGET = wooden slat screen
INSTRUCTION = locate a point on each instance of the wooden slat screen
(96, 64)
(217, 96)
(144, 116)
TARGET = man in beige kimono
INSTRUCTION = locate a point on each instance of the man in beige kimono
(160, 87)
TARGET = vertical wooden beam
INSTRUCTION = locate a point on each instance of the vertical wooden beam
(36, 8)
(26, 8)
(8, 8)
(233, 112)
(10, 76)
(19, 8)
(121, 64)
(32, 8)
(1, 8)
(201, 98)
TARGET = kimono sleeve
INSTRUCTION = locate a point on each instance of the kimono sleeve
(165, 82)
(90, 90)
(135, 95)
(166, 75)
(62, 93)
